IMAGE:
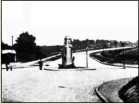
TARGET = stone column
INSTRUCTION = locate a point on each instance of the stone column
(67, 52)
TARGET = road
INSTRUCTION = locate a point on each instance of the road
(65, 85)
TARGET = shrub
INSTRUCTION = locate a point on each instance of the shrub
(129, 93)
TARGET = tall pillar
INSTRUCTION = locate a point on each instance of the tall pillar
(67, 53)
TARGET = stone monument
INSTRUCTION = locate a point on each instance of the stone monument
(67, 59)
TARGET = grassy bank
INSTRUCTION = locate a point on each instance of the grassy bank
(122, 90)
(130, 92)
(127, 56)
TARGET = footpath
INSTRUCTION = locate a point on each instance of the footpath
(28, 64)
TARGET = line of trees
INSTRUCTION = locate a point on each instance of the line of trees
(28, 50)
(98, 44)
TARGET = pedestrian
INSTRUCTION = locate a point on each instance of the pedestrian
(40, 64)
(11, 67)
(124, 67)
(7, 67)
(73, 60)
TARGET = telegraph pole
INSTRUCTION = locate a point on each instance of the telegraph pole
(13, 49)
(87, 57)
(123, 57)
(12, 41)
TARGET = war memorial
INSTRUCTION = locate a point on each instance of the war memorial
(67, 58)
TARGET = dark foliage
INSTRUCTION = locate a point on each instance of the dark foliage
(115, 56)
(130, 92)
(25, 43)
(5, 46)
(92, 44)
(51, 50)
(118, 56)
(27, 50)
(25, 47)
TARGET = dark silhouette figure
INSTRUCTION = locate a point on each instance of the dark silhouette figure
(11, 68)
(124, 67)
(73, 61)
(40, 64)
(7, 63)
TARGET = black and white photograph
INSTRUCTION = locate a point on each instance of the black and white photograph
(69, 51)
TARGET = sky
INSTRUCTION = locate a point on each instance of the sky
(51, 21)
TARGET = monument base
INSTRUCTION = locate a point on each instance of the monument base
(67, 66)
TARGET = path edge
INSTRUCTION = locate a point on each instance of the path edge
(101, 96)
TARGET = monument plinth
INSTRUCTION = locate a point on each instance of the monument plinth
(67, 59)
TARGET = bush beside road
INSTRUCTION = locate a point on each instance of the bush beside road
(130, 92)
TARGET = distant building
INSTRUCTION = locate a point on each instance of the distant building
(8, 56)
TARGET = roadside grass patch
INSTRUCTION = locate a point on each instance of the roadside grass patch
(130, 56)
(110, 89)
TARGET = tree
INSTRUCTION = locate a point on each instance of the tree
(5, 46)
(115, 43)
(120, 43)
(92, 42)
(39, 52)
(98, 43)
(76, 44)
(136, 43)
(25, 45)
(129, 92)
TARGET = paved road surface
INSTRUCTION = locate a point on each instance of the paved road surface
(32, 85)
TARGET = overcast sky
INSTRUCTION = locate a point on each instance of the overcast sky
(51, 21)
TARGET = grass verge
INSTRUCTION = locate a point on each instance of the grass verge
(110, 89)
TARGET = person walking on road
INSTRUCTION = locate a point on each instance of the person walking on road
(40, 64)
(11, 67)
(7, 63)
(73, 61)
